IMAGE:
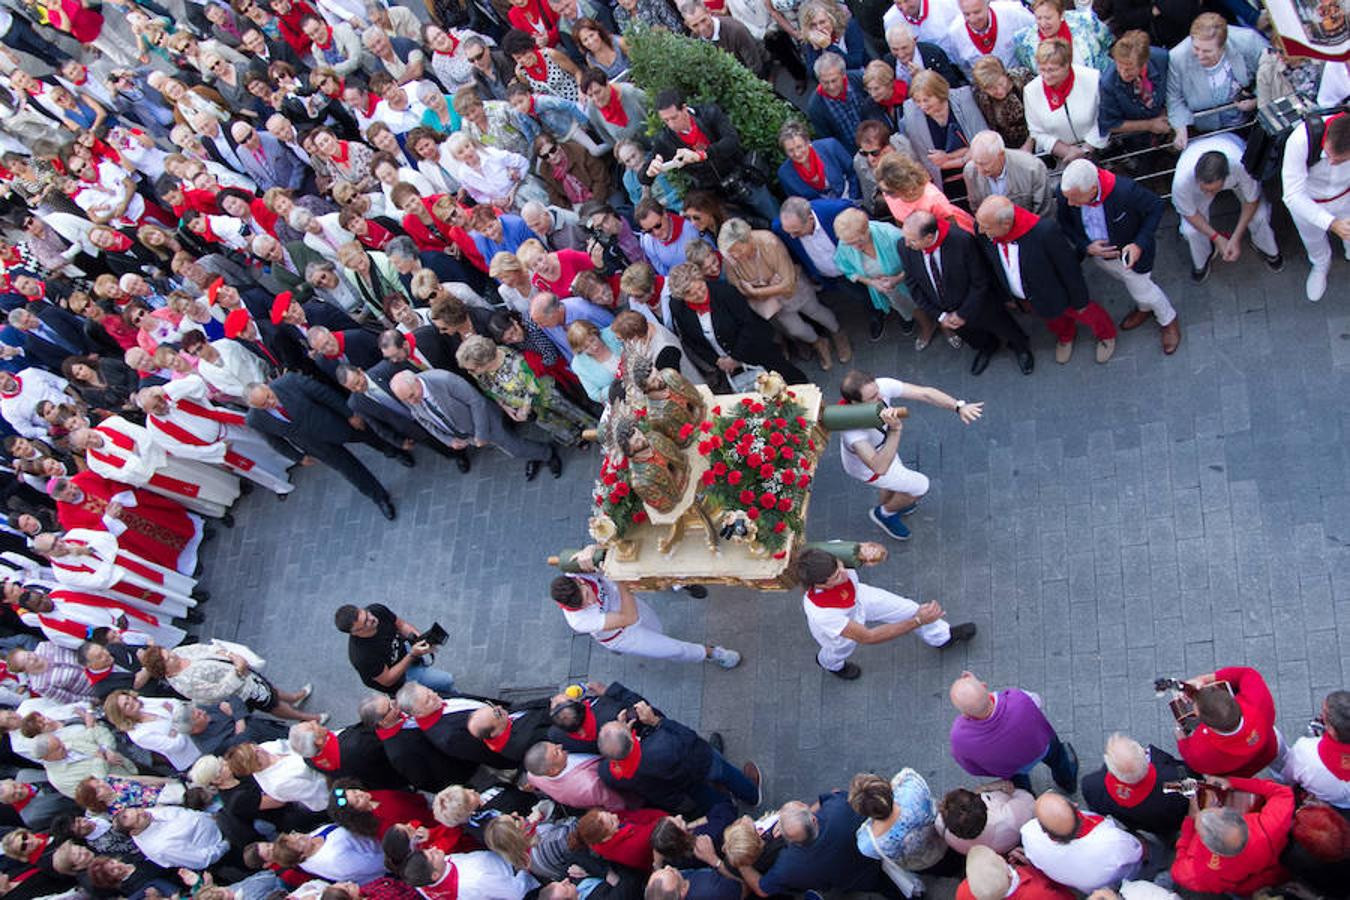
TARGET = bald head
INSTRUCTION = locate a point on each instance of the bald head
(995, 216)
(971, 697)
(406, 387)
(1056, 815)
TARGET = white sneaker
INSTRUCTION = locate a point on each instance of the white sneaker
(1317, 283)
(727, 659)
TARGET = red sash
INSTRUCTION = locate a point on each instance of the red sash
(82, 599)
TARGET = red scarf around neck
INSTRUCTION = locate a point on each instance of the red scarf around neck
(842, 596)
(985, 42)
(676, 228)
(700, 308)
(628, 766)
(1023, 221)
(694, 138)
(826, 95)
(613, 111)
(1106, 183)
(120, 243)
(813, 173)
(589, 729)
(498, 743)
(919, 19)
(1058, 95)
(899, 93)
(1335, 756)
(385, 734)
(1062, 32)
(1131, 794)
(538, 69)
(942, 228)
(329, 757)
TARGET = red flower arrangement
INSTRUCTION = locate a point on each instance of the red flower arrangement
(613, 496)
(760, 457)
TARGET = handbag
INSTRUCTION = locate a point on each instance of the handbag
(743, 382)
(909, 884)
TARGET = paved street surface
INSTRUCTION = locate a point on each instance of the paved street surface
(1101, 524)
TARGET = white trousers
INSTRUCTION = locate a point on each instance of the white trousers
(1141, 286)
(877, 605)
(647, 638)
(1317, 240)
(269, 466)
(1263, 236)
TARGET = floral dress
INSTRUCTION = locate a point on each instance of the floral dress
(131, 794)
(912, 842)
(515, 386)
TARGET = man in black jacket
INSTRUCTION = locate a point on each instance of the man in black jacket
(510, 733)
(739, 336)
(669, 766)
(374, 402)
(1129, 788)
(445, 723)
(409, 752)
(701, 142)
(950, 280)
(353, 347)
(50, 334)
(577, 720)
(1035, 266)
(351, 752)
(305, 421)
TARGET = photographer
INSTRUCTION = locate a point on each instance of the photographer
(702, 142)
(386, 651)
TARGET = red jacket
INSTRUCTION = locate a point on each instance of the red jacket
(1198, 868)
(1032, 884)
(1254, 745)
(632, 845)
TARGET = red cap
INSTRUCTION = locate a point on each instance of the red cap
(280, 305)
(213, 290)
(236, 322)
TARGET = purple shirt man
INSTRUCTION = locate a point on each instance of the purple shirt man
(1005, 735)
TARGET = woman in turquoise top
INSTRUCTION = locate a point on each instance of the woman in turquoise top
(898, 829)
(595, 357)
(439, 114)
(869, 253)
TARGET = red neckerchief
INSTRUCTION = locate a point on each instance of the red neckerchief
(448, 887)
(21, 803)
(1062, 32)
(841, 596)
(813, 173)
(1087, 822)
(328, 38)
(1129, 794)
(343, 154)
(372, 101)
(329, 757)
(676, 226)
(589, 729)
(694, 138)
(1058, 95)
(899, 93)
(41, 293)
(613, 111)
(44, 840)
(943, 228)
(917, 20)
(628, 766)
(376, 236)
(498, 743)
(17, 391)
(207, 232)
(12, 256)
(1106, 183)
(1023, 221)
(342, 346)
(454, 46)
(1335, 755)
(385, 734)
(537, 70)
(264, 217)
(121, 242)
(826, 95)
(1326, 127)
(430, 719)
(700, 308)
(103, 150)
(985, 42)
(337, 91)
(96, 677)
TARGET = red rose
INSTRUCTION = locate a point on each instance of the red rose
(734, 478)
(730, 434)
(705, 427)
(716, 441)
(609, 478)
(720, 468)
(767, 500)
(781, 554)
(804, 482)
(740, 423)
(810, 444)
(801, 422)
(754, 460)
(785, 505)
(621, 464)
(779, 527)
(788, 477)
(708, 478)
(770, 453)
(685, 430)
(747, 497)
(746, 401)
(599, 500)
(777, 439)
(780, 422)
(787, 453)
(704, 448)
(757, 407)
(640, 413)
(766, 470)
(615, 496)
(752, 514)
(717, 410)
(622, 489)
(640, 516)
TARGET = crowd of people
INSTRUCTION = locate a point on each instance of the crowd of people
(241, 237)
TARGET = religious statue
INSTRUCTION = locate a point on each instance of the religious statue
(670, 399)
(659, 470)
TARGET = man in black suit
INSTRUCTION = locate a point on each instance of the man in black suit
(288, 309)
(740, 336)
(1036, 266)
(351, 752)
(409, 752)
(445, 723)
(950, 280)
(50, 334)
(330, 349)
(1129, 788)
(305, 420)
(908, 56)
(510, 733)
(374, 402)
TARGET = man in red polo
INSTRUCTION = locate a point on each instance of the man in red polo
(1237, 733)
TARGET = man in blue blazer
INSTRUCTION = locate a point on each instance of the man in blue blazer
(1113, 222)
(806, 227)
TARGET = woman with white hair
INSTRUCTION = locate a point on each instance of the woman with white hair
(760, 267)
(498, 177)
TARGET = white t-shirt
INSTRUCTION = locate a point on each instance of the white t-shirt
(1187, 196)
(891, 390)
(1304, 767)
(826, 624)
(591, 619)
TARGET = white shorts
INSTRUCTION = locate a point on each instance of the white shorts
(902, 480)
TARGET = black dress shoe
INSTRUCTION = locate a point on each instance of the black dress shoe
(406, 460)
(531, 469)
(228, 519)
(849, 672)
(718, 744)
(195, 616)
(554, 462)
(980, 362)
(201, 595)
(387, 508)
(1025, 361)
(463, 462)
(697, 591)
(245, 487)
(959, 634)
